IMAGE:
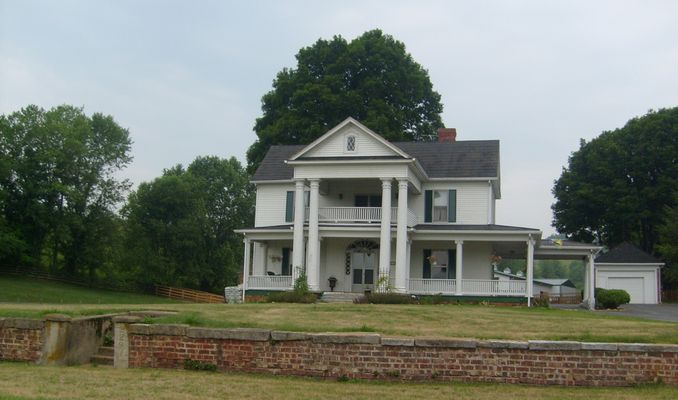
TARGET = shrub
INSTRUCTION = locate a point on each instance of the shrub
(301, 283)
(541, 301)
(611, 298)
(389, 298)
(291, 297)
(434, 299)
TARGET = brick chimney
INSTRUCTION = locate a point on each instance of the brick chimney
(447, 135)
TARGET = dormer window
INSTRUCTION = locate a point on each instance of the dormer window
(350, 143)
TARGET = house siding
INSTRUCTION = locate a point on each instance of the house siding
(270, 208)
(472, 201)
(334, 146)
(475, 258)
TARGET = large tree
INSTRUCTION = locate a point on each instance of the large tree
(58, 189)
(617, 186)
(372, 79)
(179, 227)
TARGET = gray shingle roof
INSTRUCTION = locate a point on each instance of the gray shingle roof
(462, 159)
(626, 253)
(273, 167)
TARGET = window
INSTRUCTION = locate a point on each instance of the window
(439, 264)
(289, 204)
(440, 206)
(350, 143)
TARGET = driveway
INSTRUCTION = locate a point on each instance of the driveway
(659, 312)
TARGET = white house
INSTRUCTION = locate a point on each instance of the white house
(417, 217)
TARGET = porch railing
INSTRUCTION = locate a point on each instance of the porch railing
(432, 286)
(493, 287)
(358, 215)
(469, 287)
(268, 282)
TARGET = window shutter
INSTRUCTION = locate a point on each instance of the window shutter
(427, 264)
(285, 261)
(289, 207)
(452, 206)
(428, 207)
(451, 264)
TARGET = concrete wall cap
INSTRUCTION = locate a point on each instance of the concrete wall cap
(22, 323)
(58, 318)
(503, 344)
(553, 345)
(649, 348)
(599, 346)
(288, 336)
(139, 329)
(256, 335)
(127, 319)
(346, 338)
(451, 343)
(397, 342)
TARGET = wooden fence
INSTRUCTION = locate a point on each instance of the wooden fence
(670, 295)
(195, 296)
(566, 299)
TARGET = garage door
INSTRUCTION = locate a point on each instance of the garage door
(633, 285)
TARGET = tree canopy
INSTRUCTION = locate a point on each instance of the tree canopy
(372, 78)
(179, 227)
(58, 189)
(617, 187)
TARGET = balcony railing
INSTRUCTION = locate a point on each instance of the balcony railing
(267, 282)
(352, 215)
(485, 287)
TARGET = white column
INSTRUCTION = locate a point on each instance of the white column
(459, 266)
(313, 256)
(298, 243)
(385, 238)
(591, 278)
(246, 267)
(401, 239)
(408, 264)
(530, 271)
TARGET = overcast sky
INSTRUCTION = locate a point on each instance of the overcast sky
(186, 77)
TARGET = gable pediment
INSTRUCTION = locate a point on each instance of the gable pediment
(349, 139)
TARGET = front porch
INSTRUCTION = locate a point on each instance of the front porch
(445, 287)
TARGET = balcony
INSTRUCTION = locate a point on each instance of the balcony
(358, 215)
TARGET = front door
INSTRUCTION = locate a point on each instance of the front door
(362, 269)
(362, 200)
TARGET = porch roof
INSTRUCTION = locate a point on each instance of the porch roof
(460, 227)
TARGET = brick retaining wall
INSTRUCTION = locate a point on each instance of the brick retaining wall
(21, 339)
(371, 356)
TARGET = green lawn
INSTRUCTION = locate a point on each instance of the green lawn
(22, 381)
(18, 289)
(454, 321)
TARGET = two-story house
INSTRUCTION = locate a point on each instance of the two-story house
(357, 213)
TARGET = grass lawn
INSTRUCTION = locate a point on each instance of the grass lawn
(456, 321)
(18, 289)
(23, 381)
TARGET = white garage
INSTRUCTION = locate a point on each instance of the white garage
(628, 268)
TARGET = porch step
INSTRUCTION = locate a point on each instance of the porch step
(339, 297)
(104, 356)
